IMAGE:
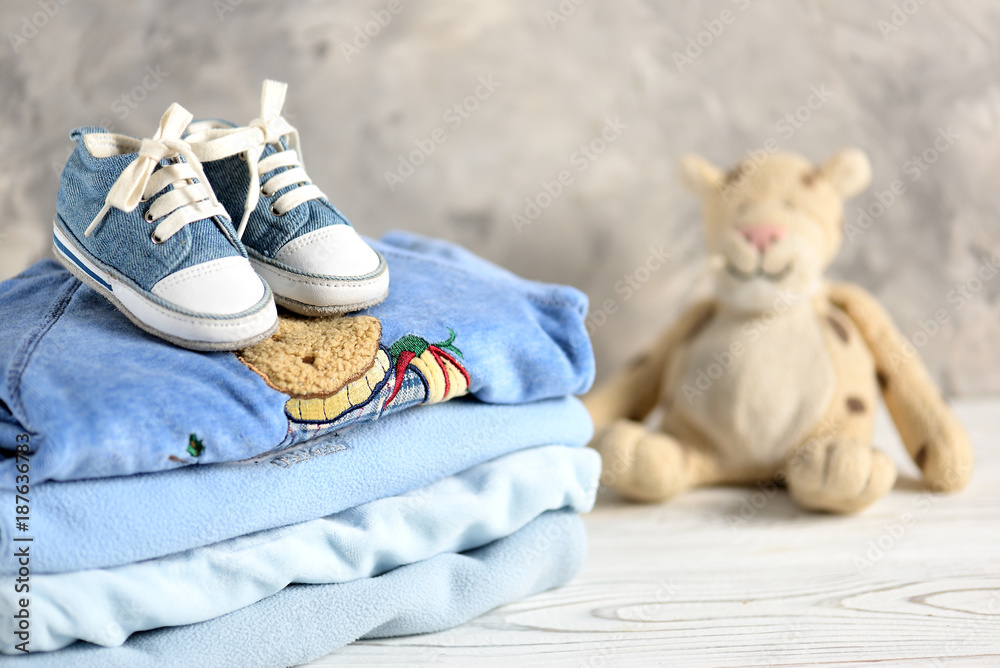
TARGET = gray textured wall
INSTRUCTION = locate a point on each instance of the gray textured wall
(559, 70)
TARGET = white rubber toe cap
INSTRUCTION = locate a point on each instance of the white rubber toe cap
(335, 251)
(225, 286)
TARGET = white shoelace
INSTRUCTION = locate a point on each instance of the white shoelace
(190, 200)
(217, 143)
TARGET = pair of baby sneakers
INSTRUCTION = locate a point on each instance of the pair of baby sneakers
(148, 223)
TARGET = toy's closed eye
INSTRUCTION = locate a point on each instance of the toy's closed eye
(788, 203)
(742, 208)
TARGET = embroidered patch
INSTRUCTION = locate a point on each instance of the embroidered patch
(336, 370)
(354, 395)
(422, 372)
(195, 446)
(316, 357)
(444, 376)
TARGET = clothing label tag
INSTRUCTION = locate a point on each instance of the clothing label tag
(299, 456)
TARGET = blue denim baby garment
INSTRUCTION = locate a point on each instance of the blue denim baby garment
(99, 397)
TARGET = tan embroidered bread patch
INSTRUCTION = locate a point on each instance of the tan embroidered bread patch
(315, 356)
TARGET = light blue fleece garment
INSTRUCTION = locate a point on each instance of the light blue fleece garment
(99, 397)
(302, 623)
(455, 514)
(114, 521)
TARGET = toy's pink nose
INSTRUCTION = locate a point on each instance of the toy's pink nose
(763, 236)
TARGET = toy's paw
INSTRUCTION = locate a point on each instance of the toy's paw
(839, 476)
(640, 464)
(946, 462)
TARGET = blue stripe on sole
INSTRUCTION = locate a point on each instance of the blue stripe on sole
(68, 253)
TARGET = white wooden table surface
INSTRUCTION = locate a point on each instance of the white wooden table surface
(741, 577)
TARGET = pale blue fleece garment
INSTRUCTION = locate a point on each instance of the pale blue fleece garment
(99, 397)
(87, 524)
(305, 622)
(455, 514)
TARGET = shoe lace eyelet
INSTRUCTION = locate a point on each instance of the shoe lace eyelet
(274, 211)
(156, 240)
(243, 156)
(149, 217)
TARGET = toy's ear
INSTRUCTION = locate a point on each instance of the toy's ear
(699, 175)
(849, 171)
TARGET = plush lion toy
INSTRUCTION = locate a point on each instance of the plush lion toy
(776, 376)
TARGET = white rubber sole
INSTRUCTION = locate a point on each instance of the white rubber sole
(318, 296)
(182, 328)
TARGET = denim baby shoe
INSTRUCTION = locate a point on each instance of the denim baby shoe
(136, 219)
(314, 261)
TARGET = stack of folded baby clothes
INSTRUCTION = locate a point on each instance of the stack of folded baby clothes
(398, 470)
